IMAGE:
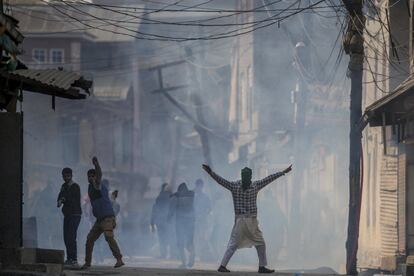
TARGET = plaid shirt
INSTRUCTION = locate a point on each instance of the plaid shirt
(245, 201)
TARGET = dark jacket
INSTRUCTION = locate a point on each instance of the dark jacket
(160, 208)
(71, 203)
(182, 203)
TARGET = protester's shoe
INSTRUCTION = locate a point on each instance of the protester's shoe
(182, 266)
(68, 262)
(119, 263)
(263, 269)
(223, 269)
(86, 266)
(71, 263)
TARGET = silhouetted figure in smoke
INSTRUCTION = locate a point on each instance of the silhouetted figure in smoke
(202, 206)
(246, 232)
(39, 206)
(69, 197)
(159, 219)
(182, 206)
(105, 216)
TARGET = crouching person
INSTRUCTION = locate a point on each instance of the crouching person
(104, 214)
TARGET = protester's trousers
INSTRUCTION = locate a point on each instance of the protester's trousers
(185, 238)
(70, 229)
(246, 233)
(163, 238)
(105, 226)
(261, 253)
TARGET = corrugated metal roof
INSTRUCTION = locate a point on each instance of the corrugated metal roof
(404, 87)
(57, 78)
(53, 82)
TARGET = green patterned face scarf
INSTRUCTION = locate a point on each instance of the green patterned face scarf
(246, 178)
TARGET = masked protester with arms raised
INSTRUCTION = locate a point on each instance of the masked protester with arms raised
(246, 232)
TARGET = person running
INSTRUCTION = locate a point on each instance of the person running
(246, 232)
(69, 197)
(105, 217)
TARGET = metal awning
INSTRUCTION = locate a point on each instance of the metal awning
(52, 82)
(393, 108)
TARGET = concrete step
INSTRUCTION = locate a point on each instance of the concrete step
(17, 256)
(50, 269)
(36, 260)
(20, 273)
(33, 270)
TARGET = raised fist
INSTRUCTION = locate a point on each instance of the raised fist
(288, 169)
(95, 160)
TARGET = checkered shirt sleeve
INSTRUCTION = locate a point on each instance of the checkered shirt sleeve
(223, 182)
(260, 184)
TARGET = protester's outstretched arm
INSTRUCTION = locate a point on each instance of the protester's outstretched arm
(220, 180)
(98, 170)
(267, 180)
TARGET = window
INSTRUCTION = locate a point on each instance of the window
(39, 55)
(56, 55)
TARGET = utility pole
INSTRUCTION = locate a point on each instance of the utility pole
(354, 46)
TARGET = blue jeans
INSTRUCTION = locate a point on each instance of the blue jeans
(70, 229)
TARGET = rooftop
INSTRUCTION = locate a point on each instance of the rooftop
(53, 82)
(88, 21)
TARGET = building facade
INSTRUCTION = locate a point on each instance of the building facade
(385, 241)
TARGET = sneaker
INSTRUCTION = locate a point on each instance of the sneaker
(71, 263)
(86, 266)
(263, 269)
(223, 269)
(119, 263)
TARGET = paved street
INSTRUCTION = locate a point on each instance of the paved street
(153, 267)
(107, 271)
